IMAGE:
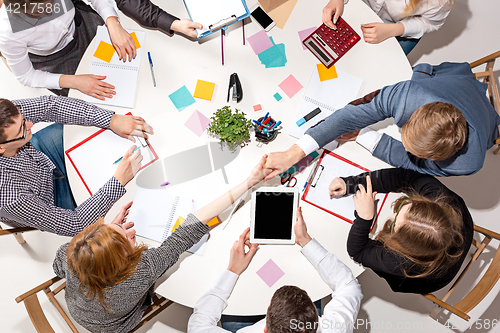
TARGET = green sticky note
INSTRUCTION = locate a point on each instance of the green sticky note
(182, 98)
(277, 96)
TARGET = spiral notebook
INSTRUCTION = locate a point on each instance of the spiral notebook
(157, 212)
(328, 96)
(122, 75)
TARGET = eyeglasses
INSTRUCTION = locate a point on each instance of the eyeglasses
(24, 130)
(397, 213)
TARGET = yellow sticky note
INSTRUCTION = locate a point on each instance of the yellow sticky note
(213, 221)
(104, 51)
(136, 41)
(178, 223)
(204, 90)
(326, 73)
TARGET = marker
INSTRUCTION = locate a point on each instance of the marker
(260, 124)
(308, 117)
(164, 184)
(121, 158)
(275, 125)
(151, 66)
(265, 120)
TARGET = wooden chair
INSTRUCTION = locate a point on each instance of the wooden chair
(480, 290)
(487, 77)
(17, 232)
(41, 323)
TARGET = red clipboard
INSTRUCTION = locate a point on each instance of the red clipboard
(68, 151)
(318, 169)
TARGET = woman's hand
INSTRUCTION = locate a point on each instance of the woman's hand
(364, 200)
(121, 39)
(186, 27)
(121, 218)
(89, 84)
(337, 188)
(258, 172)
(375, 33)
(332, 12)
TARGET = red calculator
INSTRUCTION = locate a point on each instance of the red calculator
(330, 45)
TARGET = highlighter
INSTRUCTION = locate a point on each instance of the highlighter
(308, 117)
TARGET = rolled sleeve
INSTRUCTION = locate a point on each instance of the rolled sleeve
(369, 139)
(307, 144)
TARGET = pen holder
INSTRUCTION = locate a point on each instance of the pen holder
(261, 136)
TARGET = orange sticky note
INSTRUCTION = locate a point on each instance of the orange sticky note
(104, 51)
(136, 41)
(326, 73)
(204, 90)
(178, 223)
(213, 221)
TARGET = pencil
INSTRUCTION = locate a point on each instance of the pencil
(222, 44)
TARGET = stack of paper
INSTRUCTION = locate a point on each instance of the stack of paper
(269, 53)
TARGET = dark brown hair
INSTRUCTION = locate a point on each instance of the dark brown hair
(7, 113)
(431, 236)
(101, 257)
(291, 310)
(435, 131)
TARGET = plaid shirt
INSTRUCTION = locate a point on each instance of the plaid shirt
(26, 185)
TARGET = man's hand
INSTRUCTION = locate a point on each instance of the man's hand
(351, 136)
(337, 187)
(128, 166)
(258, 172)
(364, 200)
(281, 161)
(238, 259)
(300, 229)
(186, 27)
(127, 125)
(375, 33)
(121, 218)
(332, 12)
(121, 39)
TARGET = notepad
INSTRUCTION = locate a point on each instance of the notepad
(94, 157)
(122, 75)
(204, 90)
(157, 213)
(326, 73)
(329, 96)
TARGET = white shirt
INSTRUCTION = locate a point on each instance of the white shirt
(339, 313)
(427, 17)
(45, 39)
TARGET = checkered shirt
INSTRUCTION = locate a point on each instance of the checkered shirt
(26, 185)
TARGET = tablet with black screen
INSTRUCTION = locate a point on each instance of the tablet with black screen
(273, 215)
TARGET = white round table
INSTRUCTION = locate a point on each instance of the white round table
(179, 61)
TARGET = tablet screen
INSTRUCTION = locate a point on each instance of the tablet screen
(273, 215)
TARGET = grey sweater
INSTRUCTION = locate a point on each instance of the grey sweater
(127, 299)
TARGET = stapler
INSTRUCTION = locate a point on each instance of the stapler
(235, 84)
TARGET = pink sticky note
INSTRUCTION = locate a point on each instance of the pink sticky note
(270, 273)
(197, 123)
(303, 34)
(290, 86)
(260, 42)
(257, 107)
(303, 163)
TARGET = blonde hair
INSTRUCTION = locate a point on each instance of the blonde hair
(431, 237)
(435, 131)
(101, 257)
(413, 4)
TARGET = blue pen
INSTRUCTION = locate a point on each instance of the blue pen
(260, 124)
(151, 66)
(265, 117)
(121, 158)
(305, 185)
(276, 125)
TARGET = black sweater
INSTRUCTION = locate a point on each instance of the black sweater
(388, 264)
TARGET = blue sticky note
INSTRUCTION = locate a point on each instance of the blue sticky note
(274, 56)
(182, 98)
(277, 96)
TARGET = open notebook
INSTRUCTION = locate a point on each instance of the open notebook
(157, 213)
(328, 96)
(122, 75)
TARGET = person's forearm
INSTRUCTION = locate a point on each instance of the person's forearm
(67, 81)
(397, 29)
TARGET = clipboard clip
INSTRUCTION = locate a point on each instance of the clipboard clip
(315, 176)
(235, 84)
(222, 23)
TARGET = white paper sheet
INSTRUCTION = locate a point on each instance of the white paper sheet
(122, 75)
(154, 213)
(329, 96)
(95, 158)
(319, 195)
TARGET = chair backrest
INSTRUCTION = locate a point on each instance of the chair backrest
(17, 232)
(481, 289)
(42, 325)
(488, 77)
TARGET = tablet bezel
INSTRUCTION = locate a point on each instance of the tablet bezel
(296, 197)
